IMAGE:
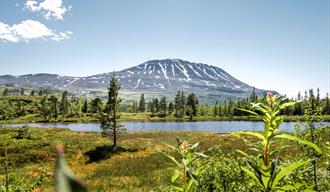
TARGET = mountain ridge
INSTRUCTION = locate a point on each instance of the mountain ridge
(154, 77)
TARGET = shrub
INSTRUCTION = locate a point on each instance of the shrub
(266, 169)
(184, 178)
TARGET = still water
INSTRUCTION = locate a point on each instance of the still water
(213, 126)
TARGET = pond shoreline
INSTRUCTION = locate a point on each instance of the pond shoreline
(203, 126)
(132, 118)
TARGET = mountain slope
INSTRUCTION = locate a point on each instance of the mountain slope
(155, 77)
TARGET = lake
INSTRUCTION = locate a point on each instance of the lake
(212, 126)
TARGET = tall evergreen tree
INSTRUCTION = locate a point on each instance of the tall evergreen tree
(54, 107)
(327, 105)
(183, 103)
(253, 96)
(311, 99)
(142, 104)
(177, 104)
(40, 93)
(192, 104)
(215, 109)
(64, 103)
(22, 91)
(170, 108)
(44, 109)
(6, 92)
(317, 100)
(152, 107)
(163, 106)
(85, 107)
(32, 93)
(111, 114)
(156, 105)
(298, 107)
(96, 105)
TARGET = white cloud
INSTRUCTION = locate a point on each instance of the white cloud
(50, 9)
(28, 30)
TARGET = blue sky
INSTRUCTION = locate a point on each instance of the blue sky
(281, 45)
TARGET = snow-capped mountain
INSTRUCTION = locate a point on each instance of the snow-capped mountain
(154, 77)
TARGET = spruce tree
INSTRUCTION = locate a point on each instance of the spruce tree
(85, 107)
(64, 103)
(152, 107)
(22, 91)
(317, 100)
(192, 104)
(183, 103)
(44, 111)
(96, 105)
(177, 104)
(215, 109)
(54, 108)
(40, 93)
(253, 96)
(311, 99)
(298, 106)
(163, 106)
(170, 108)
(6, 92)
(327, 105)
(111, 114)
(156, 105)
(142, 104)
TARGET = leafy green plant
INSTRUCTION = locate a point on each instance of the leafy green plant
(13, 182)
(265, 169)
(310, 130)
(222, 173)
(23, 133)
(184, 178)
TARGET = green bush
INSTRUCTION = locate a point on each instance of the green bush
(222, 173)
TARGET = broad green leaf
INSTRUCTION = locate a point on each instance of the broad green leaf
(298, 185)
(178, 140)
(172, 147)
(172, 158)
(262, 110)
(66, 181)
(175, 175)
(255, 134)
(242, 153)
(288, 187)
(251, 174)
(248, 111)
(178, 188)
(285, 105)
(190, 185)
(294, 138)
(194, 145)
(287, 170)
(201, 154)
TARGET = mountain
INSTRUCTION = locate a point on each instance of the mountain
(154, 78)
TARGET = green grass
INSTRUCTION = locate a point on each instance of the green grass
(141, 169)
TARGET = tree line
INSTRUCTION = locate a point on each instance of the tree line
(184, 105)
(187, 105)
